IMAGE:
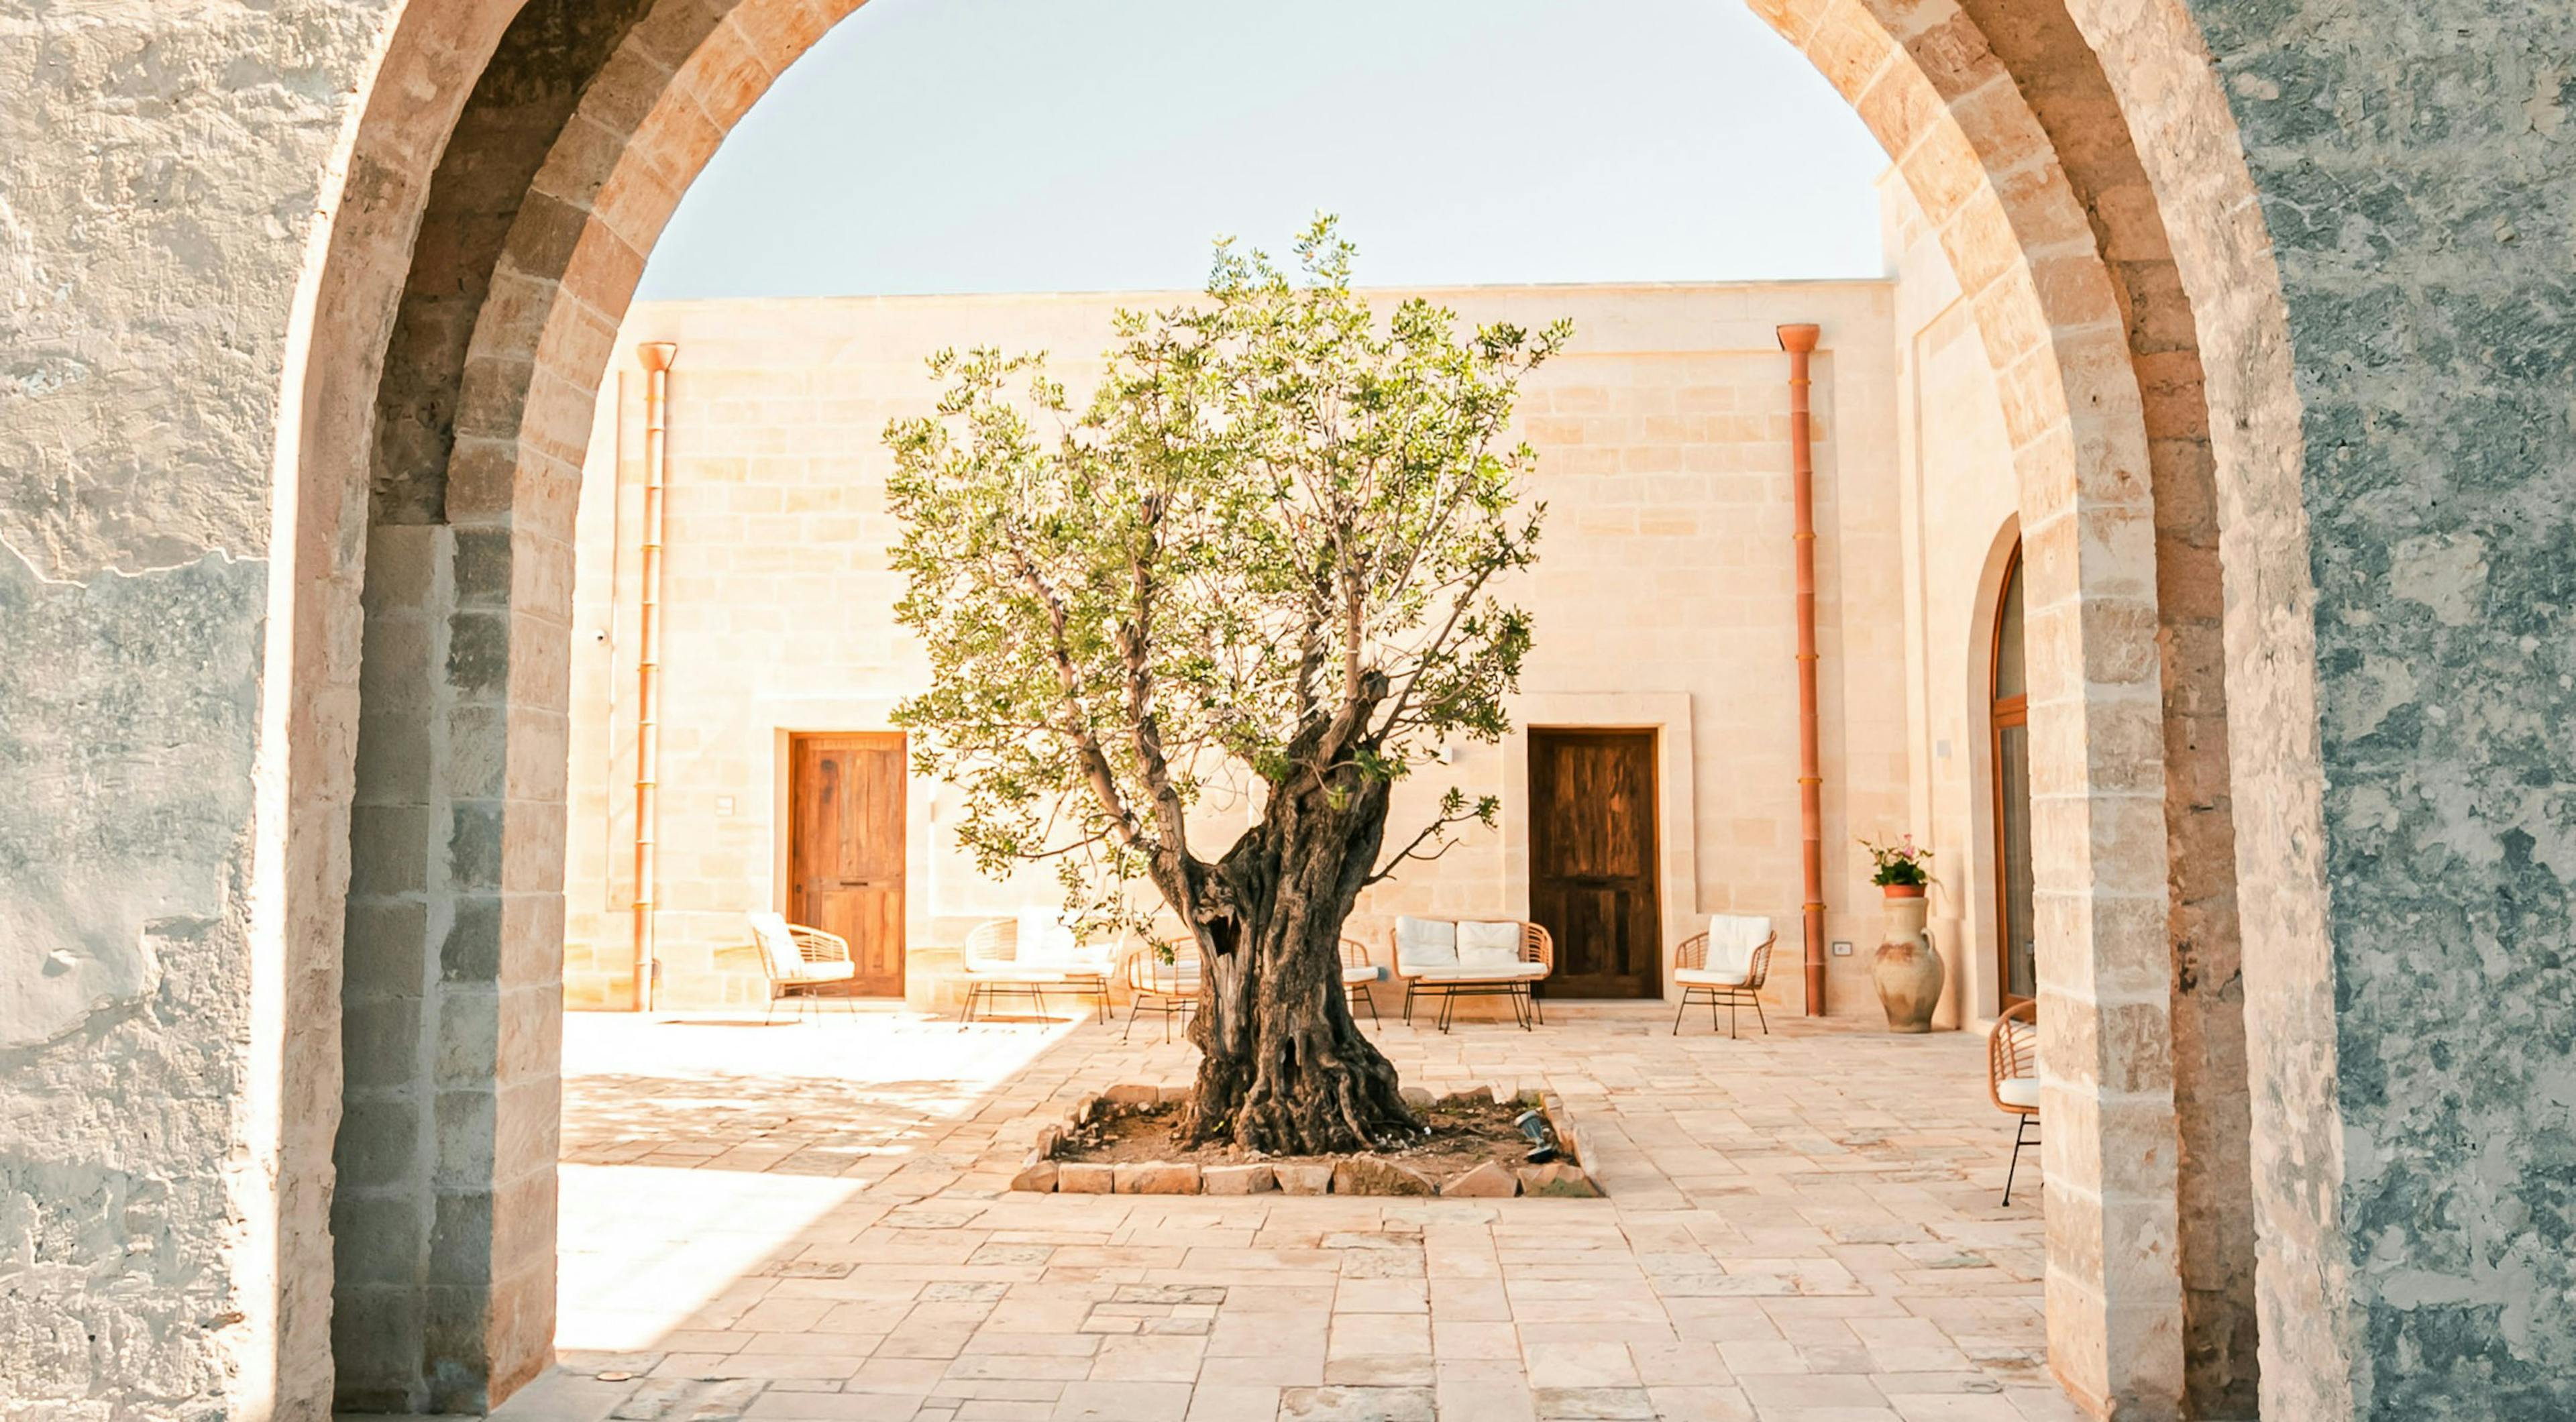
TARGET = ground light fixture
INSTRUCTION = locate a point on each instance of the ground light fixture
(1542, 1137)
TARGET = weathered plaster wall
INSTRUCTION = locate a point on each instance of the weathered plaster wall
(2417, 166)
(125, 744)
(160, 170)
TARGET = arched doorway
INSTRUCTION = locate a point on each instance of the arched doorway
(526, 198)
(2008, 722)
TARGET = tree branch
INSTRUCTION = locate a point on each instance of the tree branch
(1095, 765)
(1413, 848)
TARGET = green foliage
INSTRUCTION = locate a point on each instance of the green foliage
(1898, 862)
(1263, 547)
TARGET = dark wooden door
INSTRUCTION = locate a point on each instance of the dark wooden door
(1592, 861)
(845, 848)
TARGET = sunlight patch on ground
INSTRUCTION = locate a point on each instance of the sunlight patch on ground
(698, 1152)
(644, 1247)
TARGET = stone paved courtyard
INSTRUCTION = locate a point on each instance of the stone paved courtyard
(807, 1221)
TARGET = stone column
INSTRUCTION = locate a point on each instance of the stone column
(444, 1216)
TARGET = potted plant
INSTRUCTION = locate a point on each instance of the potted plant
(1901, 871)
(1905, 970)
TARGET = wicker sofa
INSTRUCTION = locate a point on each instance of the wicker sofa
(1449, 959)
(1023, 957)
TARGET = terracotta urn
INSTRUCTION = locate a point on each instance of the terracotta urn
(1906, 971)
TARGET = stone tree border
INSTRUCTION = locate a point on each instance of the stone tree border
(2040, 137)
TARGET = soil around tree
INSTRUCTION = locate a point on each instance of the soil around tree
(1465, 1132)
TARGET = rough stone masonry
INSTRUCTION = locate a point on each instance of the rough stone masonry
(169, 175)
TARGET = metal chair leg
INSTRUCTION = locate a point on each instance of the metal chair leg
(2021, 1127)
(1760, 1017)
(1678, 1011)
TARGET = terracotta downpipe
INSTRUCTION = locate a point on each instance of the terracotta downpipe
(1800, 342)
(656, 356)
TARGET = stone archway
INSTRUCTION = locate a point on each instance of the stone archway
(2006, 122)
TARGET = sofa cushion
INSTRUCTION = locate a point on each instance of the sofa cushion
(1489, 945)
(1425, 943)
(1461, 973)
(2018, 1091)
(1709, 977)
(1047, 942)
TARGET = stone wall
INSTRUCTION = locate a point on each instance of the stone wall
(2417, 166)
(160, 171)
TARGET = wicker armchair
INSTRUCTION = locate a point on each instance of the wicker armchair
(799, 961)
(1360, 976)
(1171, 989)
(2012, 1077)
(1450, 978)
(1731, 973)
(996, 968)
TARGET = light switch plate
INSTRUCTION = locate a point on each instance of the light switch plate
(1842, 948)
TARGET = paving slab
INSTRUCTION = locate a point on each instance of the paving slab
(813, 1222)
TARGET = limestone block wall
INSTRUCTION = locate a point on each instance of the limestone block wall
(1665, 580)
(1961, 524)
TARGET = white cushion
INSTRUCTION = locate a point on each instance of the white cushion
(786, 961)
(1732, 937)
(1488, 945)
(1461, 973)
(827, 972)
(1709, 977)
(1353, 977)
(1159, 976)
(1422, 943)
(2018, 1091)
(1046, 940)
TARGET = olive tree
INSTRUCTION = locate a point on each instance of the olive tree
(1260, 555)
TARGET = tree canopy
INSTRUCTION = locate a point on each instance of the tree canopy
(1266, 543)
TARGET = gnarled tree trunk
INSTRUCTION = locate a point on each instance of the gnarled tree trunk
(1283, 1068)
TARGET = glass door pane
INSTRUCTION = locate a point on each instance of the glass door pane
(2012, 772)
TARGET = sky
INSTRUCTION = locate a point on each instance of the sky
(947, 146)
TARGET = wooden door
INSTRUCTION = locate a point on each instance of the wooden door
(845, 848)
(1592, 861)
